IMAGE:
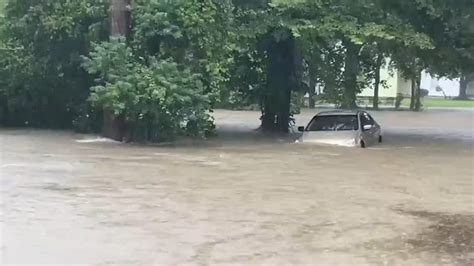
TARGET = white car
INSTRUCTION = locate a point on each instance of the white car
(345, 128)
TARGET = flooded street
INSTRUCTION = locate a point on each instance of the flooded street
(242, 198)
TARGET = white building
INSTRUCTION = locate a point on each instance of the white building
(440, 87)
(395, 85)
(437, 87)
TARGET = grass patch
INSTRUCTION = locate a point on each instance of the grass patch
(440, 102)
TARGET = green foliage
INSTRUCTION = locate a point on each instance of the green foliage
(42, 83)
(156, 95)
(163, 82)
(194, 33)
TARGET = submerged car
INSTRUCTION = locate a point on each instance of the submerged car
(345, 128)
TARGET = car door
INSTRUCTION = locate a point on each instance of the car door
(376, 130)
(368, 135)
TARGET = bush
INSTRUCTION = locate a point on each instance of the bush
(157, 98)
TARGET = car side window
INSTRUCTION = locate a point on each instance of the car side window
(372, 119)
(366, 119)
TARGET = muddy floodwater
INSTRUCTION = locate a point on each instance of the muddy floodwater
(242, 198)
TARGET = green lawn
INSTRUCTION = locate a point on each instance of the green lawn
(440, 102)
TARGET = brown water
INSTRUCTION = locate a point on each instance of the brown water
(242, 198)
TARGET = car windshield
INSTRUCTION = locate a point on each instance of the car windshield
(333, 123)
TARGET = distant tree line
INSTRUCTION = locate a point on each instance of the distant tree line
(155, 69)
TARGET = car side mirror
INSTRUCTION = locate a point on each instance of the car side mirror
(367, 127)
(301, 129)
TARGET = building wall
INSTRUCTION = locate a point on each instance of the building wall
(395, 84)
(404, 86)
(470, 89)
(384, 92)
(449, 86)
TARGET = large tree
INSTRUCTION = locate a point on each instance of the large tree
(450, 25)
(162, 82)
(280, 60)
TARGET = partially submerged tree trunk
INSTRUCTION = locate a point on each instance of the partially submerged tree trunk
(114, 127)
(378, 66)
(281, 73)
(351, 72)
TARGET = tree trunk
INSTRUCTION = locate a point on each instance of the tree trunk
(312, 87)
(114, 127)
(312, 94)
(463, 88)
(418, 94)
(378, 66)
(281, 73)
(413, 94)
(4, 113)
(268, 119)
(351, 72)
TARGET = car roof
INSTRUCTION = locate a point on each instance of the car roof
(338, 112)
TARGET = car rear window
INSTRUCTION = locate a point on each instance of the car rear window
(333, 123)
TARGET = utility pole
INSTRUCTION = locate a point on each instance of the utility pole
(120, 18)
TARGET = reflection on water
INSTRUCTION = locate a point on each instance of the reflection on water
(241, 198)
